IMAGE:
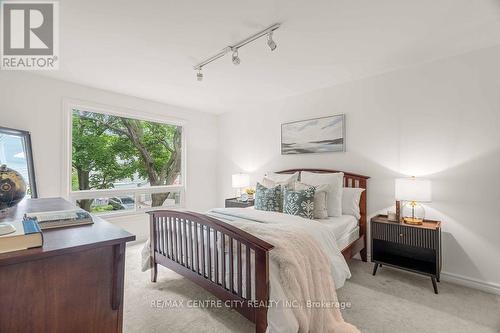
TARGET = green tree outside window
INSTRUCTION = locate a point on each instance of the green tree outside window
(107, 150)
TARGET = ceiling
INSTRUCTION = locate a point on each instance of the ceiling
(148, 48)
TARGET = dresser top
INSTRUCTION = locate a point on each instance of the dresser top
(427, 224)
(63, 240)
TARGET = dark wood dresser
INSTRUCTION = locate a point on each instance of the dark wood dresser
(74, 283)
(415, 248)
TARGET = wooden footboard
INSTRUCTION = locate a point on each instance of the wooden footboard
(229, 262)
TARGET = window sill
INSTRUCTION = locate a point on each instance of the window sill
(132, 212)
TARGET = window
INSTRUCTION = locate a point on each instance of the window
(123, 165)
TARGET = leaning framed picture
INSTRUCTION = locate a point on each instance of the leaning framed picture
(318, 135)
(16, 153)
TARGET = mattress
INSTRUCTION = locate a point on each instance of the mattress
(345, 228)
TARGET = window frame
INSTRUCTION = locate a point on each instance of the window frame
(66, 187)
(25, 136)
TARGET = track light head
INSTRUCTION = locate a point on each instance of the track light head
(199, 75)
(236, 58)
(271, 42)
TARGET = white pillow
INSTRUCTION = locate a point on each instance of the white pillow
(320, 196)
(334, 194)
(350, 201)
(283, 177)
(272, 179)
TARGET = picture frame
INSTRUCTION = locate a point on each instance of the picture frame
(21, 139)
(316, 135)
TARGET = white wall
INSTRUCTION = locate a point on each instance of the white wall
(440, 120)
(34, 103)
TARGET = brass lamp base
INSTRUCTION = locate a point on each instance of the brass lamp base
(413, 220)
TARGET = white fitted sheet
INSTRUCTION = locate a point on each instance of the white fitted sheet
(345, 228)
(348, 238)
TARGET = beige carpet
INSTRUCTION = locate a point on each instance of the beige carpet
(392, 301)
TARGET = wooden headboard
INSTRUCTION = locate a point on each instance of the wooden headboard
(350, 180)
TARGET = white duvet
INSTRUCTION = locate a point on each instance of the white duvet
(282, 318)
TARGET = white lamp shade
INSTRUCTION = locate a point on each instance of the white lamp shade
(413, 189)
(240, 180)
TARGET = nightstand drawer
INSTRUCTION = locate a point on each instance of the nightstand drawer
(401, 234)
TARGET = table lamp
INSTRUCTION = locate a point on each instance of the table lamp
(412, 191)
(240, 181)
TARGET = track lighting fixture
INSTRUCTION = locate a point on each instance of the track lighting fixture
(234, 49)
(236, 59)
(271, 42)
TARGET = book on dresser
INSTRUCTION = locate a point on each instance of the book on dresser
(26, 235)
(61, 218)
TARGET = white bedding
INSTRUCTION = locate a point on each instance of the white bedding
(345, 228)
(326, 240)
(282, 319)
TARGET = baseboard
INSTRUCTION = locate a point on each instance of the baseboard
(488, 287)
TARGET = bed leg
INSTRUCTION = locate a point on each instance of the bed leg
(261, 289)
(363, 254)
(261, 321)
(154, 272)
(152, 245)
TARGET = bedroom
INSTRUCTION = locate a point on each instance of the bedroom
(412, 86)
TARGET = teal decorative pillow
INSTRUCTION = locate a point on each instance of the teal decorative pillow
(299, 203)
(269, 199)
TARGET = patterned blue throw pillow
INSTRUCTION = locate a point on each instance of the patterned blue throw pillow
(269, 199)
(299, 203)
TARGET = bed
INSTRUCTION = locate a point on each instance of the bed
(213, 252)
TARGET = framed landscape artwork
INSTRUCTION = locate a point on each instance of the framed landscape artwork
(319, 135)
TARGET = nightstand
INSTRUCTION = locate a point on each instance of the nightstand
(233, 202)
(414, 248)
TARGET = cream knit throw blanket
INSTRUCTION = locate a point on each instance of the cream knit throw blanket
(304, 274)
